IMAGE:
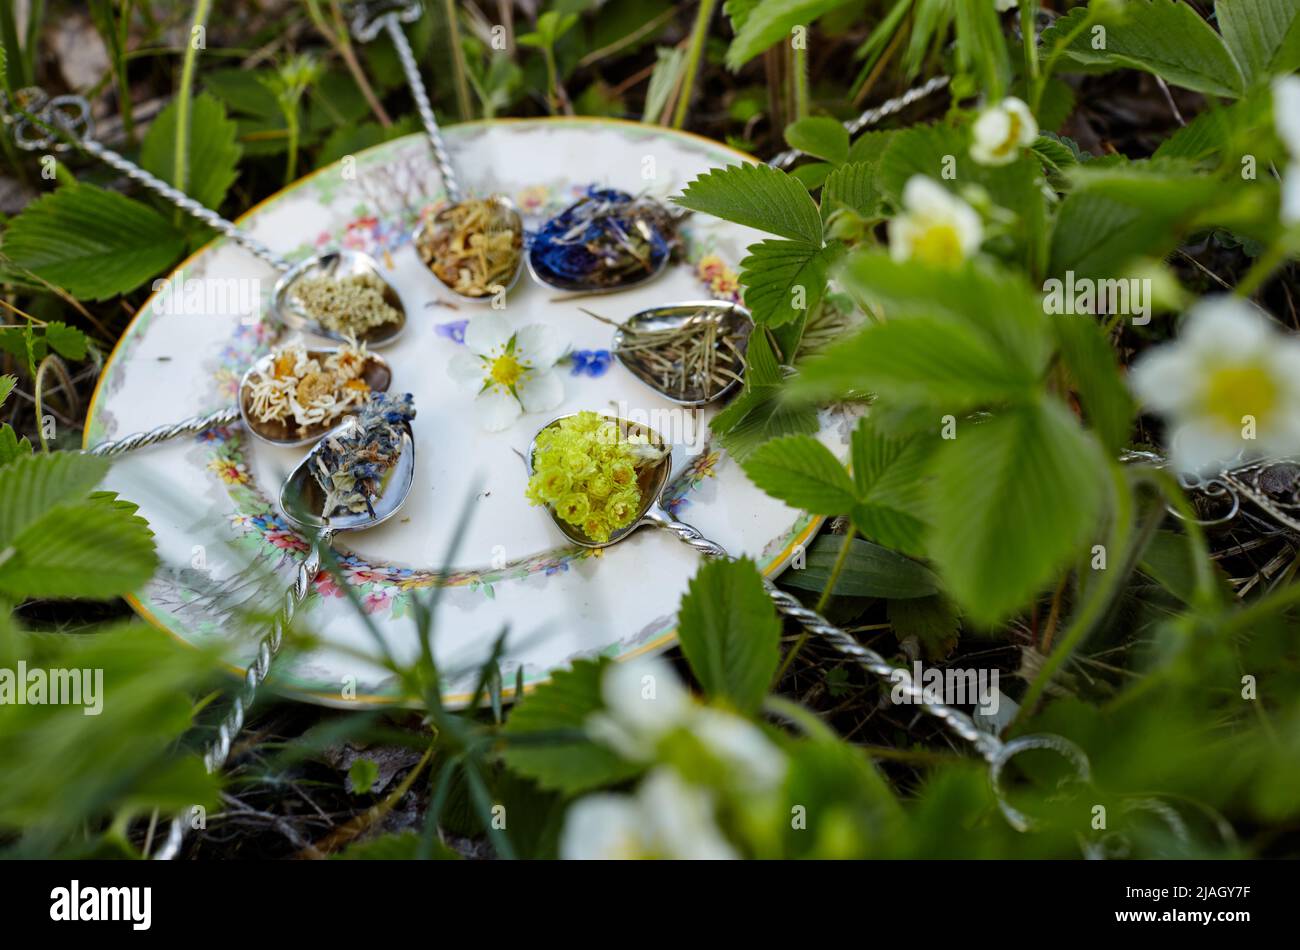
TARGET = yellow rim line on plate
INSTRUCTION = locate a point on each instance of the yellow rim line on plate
(330, 699)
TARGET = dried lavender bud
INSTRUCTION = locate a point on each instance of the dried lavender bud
(350, 465)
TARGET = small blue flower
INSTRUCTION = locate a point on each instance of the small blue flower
(454, 331)
(592, 362)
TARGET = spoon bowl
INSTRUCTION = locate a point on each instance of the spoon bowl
(651, 480)
(336, 265)
(376, 373)
(302, 499)
(505, 217)
(572, 227)
(730, 320)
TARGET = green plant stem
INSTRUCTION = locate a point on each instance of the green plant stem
(124, 103)
(552, 80)
(802, 99)
(846, 546)
(1029, 38)
(1049, 61)
(290, 110)
(339, 39)
(184, 93)
(458, 69)
(693, 55)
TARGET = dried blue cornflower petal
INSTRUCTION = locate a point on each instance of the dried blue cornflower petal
(606, 238)
(350, 464)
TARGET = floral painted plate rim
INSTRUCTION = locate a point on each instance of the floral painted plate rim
(796, 536)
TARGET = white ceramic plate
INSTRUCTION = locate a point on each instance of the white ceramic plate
(226, 550)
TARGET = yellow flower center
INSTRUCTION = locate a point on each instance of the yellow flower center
(1237, 390)
(506, 370)
(938, 244)
(1013, 135)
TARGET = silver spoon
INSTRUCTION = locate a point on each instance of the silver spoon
(731, 321)
(368, 19)
(70, 115)
(989, 746)
(649, 221)
(377, 374)
(302, 499)
(296, 497)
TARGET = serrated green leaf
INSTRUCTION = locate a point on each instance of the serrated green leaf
(870, 145)
(757, 416)
(997, 304)
(851, 186)
(1164, 37)
(1214, 130)
(889, 475)
(819, 136)
(778, 275)
(803, 473)
(563, 705)
(759, 413)
(68, 342)
(757, 196)
(30, 486)
(213, 159)
(94, 243)
(1013, 499)
(870, 570)
(1054, 153)
(7, 384)
(1263, 35)
(952, 340)
(1117, 215)
(94, 549)
(936, 362)
(10, 445)
(763, 24)
(812, 175)
(730, 632)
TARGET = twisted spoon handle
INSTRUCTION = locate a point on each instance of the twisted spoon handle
(184, 202)
(193, 424)
(988, 745)
(873, 115)
(440, 154)
(215, 757)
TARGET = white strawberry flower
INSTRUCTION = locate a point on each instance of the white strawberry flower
(645, 703)
(665, 819)
(1286, 112)
(511, 372)
(1001, 131)
(1229, 386)
(1286, 119)
(935, 226)
(1003, 6)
